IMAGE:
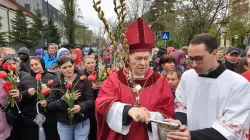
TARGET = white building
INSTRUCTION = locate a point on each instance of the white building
(8, 8)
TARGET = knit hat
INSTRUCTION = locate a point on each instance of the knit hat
(61, 51)
(24, 50)
(9, 57)
(39, 52)
(170, 49)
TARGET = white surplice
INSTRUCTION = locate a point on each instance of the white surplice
(114, 120)
(222, 103)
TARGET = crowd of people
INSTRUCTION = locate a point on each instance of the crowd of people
(202, 88)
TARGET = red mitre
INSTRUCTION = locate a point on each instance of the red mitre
(140, 37)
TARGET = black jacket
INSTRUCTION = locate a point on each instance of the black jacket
(25, 67)
(28, 102)
(230, 66)
(22, 74)
(86, 100)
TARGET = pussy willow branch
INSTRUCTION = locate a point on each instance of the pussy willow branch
(125, 53)
(104, 20)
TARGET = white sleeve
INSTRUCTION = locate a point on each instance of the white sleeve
(234, 124)
(114, 118)
(154, 134)
(180, 99)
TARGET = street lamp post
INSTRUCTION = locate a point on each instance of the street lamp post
(42, 34)
(48, 10)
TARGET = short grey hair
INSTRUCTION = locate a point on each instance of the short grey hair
(86, 57)
(54, 44)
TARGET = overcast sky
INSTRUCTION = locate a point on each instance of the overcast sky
(91, 19)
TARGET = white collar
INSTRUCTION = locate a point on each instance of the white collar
(142, 76)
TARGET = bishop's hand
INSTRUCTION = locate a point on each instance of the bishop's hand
(139, 114)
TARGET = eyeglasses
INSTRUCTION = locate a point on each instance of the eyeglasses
(197, 59)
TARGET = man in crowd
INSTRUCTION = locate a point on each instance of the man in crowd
(122, 114)
(220, 55)
(232, 58)
(247, 73)
(173, 78)
(24, 55)
(51, 57)
(211, 100)
(63, 52)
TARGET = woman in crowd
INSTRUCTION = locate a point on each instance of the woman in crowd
(13, 60)
(76, 55)
(39, 53)
(5, 128)
(78, 128)
(180, 60)
(28, 87)
(90, 66)
(166, 63)
(242, 66)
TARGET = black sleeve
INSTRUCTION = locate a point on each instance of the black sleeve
(126, 119)
(206, 134)
(23, 92)
(55, 102)
(181, 117)
(88, 102)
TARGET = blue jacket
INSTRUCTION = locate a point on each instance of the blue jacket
(49, 60)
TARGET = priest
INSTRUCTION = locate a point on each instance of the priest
(212, 101)
(119, 115)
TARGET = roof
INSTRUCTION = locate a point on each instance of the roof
(13, 5)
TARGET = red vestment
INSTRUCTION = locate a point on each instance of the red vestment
(155, 95)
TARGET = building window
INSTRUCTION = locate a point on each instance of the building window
(27, 6)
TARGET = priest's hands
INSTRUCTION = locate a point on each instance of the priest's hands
(139, 114)
(183, 134)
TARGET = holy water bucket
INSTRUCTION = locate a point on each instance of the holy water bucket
(164, 128)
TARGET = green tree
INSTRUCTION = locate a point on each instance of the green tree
(69, 10)
(36, 26)
(3, 41)
(52, 33)
(238, 26)
(186, 18)
(19, 32)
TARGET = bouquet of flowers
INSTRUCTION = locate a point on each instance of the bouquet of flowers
(41, 86)
(69, 95)
(102, 71)
(11, 81)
